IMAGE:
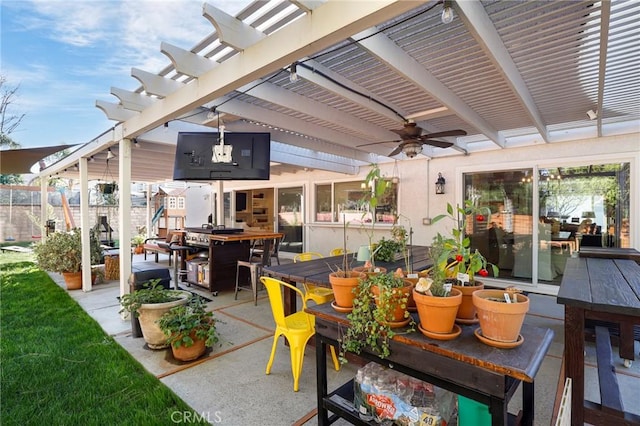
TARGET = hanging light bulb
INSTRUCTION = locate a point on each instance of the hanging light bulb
(293, 72)
(447, 12)
(110, 154)
(211, 114)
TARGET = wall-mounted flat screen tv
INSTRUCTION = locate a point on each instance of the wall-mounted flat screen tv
(199, 156)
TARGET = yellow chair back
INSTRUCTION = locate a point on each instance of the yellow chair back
(336, 251)
(306, 256)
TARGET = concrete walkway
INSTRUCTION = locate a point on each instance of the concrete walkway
(229, 386)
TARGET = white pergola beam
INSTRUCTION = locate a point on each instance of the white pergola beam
(279, 96)
(186, 62)
(365, 101)
(231, 31)
(155, 84)
(278, 120)
(605, 19)
(389, 53)
(115, 112)
(132, 100)
(328, 24)
(483, 31)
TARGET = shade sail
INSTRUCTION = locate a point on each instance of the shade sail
(20, 161)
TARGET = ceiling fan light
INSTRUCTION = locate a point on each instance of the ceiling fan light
(412, 149)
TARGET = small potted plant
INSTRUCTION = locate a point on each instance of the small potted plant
(149, 304)
(460, 262)
(437, 301)
(61, 252)
(501, 314)
(137, 242)
(379, 309)
(343, 279)
(190, 329)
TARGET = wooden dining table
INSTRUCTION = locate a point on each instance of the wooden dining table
(316, 272)
(601, 289)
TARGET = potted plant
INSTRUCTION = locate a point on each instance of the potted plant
(137, 242)
(61, 252)
(437, 301)
(501, 314)
(190, 329)
(379, 309)
(149, 304)
(460, 262)
(344, 280)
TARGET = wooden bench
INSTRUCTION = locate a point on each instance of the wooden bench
(157, 245)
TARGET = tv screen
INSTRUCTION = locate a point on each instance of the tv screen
(244, 156)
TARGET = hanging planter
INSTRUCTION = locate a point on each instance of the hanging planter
(107, 188)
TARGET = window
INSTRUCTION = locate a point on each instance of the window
(348, 201)
(181, 202)
(171, 202)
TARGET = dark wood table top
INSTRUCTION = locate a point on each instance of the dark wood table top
(600, 284)
(246, 235)
(521, 363)
(316, 271)
(610, 253)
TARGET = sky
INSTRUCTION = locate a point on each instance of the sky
(65, 55)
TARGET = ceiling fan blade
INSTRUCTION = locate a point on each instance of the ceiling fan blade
(438, 144)
(404, 134)
(376, 143)
(396, 151)
(457, 132)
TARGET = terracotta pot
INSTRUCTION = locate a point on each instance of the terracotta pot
(438, 314)
(399, 309)
(500, 321)
(150, 313)
(73, 280)
(343, 287)
(184, 353)
(139, 249)
(467, 311)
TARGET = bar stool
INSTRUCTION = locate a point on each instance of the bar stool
(255, 269)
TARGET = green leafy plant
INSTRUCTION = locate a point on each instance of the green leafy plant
(369, 322)
(457, 256)
(60, 252)
(386, 249)
(377, 186)
(138, 239)
(152, 292)
(182, 323)
(435, 283)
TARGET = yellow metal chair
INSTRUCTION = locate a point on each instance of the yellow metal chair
(318, 294)
(297, 328)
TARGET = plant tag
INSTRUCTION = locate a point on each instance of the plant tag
(447, 287)
(414, 275)
(463, 278)
(507, 298)
(514, 298)
(376, 270)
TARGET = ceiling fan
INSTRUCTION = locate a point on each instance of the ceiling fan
(412, 140)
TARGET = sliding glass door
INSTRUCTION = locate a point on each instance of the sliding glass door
(530, 235)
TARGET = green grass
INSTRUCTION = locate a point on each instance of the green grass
(58, 367)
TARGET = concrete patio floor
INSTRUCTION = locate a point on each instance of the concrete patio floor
(229, 386)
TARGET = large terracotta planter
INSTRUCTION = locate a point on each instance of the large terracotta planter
(395, 299)
(73, 280)
(467, 311)
(189, 353)
(343, 287)
(500, 321)
(438, 314)
(150, 313)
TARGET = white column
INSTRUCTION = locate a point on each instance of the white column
(85, 227)
(124, 212)
(220, 206)
(43, 206)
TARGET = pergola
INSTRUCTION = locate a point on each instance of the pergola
(331, 79)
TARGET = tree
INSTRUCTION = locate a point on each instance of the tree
(8, 123)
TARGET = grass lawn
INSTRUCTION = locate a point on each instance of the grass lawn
(58, 367)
